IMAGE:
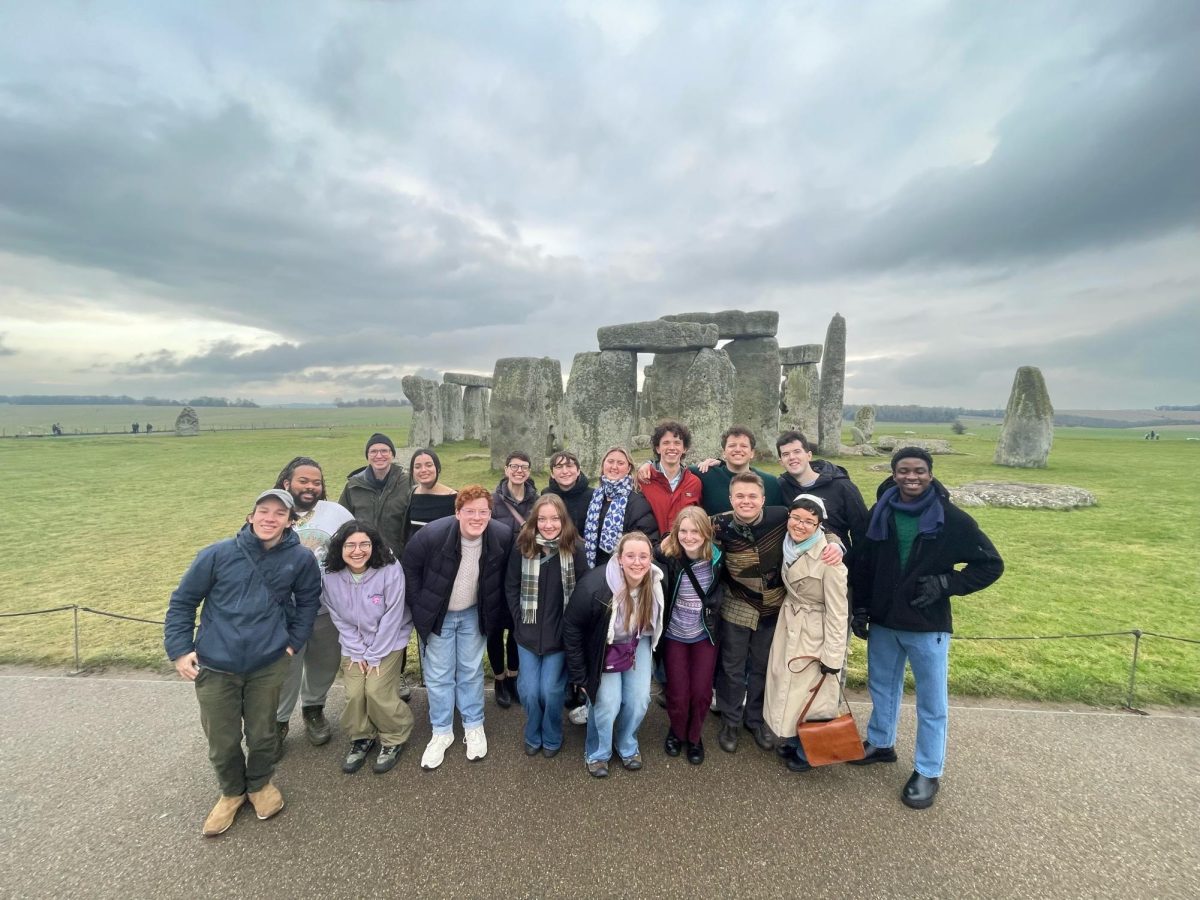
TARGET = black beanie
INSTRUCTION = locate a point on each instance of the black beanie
(378, 438)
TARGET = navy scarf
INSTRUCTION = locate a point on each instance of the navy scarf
(928, 506)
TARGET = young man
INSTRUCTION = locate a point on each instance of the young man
(316, 664)
(260, 591)
(844, 506)
(454, 572)
(671, 486)
(903, 574)
(737, 451)
(378, 493)
(571, 486)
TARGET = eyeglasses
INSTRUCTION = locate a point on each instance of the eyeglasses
(379, 453)
(807, 523)
(476, 513)
(518, 467)
(363, 545)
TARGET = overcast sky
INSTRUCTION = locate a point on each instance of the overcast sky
(301, 201)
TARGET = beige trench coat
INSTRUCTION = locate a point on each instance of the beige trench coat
(812, 622)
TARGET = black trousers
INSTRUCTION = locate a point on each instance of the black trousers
(735, 679)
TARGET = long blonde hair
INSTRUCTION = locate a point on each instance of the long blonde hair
(698, 517)
(640, 611)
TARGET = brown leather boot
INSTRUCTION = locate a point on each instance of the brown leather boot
(222, 815)
(266, 802)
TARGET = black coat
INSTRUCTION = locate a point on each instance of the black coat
(585, 630)
(576, 499)
(884, 590)
(431, 562)
(545, 635)
(845, 512)
(673, 576)
(501, 497)
(639, 516)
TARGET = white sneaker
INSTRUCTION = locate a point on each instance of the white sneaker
(435, 752)
(712, 707)
(578, 716)
(476, 742)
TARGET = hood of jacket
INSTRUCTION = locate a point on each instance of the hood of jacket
(580, 487)
(826, 472)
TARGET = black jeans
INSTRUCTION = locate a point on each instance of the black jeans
(739, 645)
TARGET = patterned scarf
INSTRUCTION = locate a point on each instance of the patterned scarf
(606, 536)
(531, 570)
(928, 505)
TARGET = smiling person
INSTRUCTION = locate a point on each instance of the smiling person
(316, 664)
(737, 452)
(846, 513)
(617, 507)
(364, 591)
(545, 562)
(571, 486)
(379, 492)
(430, 498)
(454, 572)
(612, 625)
(260, 591)
(513, 502)
(903, 575)
(671, 486)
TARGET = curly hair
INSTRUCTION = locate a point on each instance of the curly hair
(286, 473)
(738, 431)
(380, 554)
(470, 493)
(667, 426)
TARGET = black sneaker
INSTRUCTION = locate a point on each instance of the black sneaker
(875, 755)
(358, 755)
(281, 733)
(316, 725)
(387, 758)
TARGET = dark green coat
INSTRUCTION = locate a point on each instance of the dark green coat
(386, 508)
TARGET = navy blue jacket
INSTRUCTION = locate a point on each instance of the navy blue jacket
(253, 611)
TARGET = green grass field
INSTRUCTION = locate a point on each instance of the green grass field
(112, 522)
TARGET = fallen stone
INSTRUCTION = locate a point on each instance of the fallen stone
(525, 408)
(734, 323)
(466, 379)
(1022, 496)
(600, 404)
(933, 446)
(657, 336)
(857, 450)
(1028, 430)
(833, 384)
(800, 355)
(857, 434)
(756, 389)
(472, 457)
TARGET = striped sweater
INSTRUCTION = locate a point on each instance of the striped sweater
(752, 574)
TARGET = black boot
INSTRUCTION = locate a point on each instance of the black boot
(695, 753)
(672, 746)
(728, 738)
(316, 725)
(503, 699)
(919, 791)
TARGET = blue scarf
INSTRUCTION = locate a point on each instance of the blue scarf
(793, 551)
(606, 535)
(928, 506)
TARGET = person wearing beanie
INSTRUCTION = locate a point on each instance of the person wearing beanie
(379, 492)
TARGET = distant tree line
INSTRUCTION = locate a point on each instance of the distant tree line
(1195, 407)
(913, 413)
(123, 400)
(370, 401)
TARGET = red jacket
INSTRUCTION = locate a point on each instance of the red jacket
(667, 503)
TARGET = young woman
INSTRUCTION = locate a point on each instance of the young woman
(692, 585)
(364, 591)
(571, 486)
(812, 623)
(612, 625)
(513, 501)
(546, 560)
(430, 498)
(617, 507)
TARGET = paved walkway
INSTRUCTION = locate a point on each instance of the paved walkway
(105, 783)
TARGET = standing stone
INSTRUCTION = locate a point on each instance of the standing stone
(525, 407)
(798, 402)
(864, 421)
(422, 393)
(475, 413)
(756, 390)
(187, 423)
(1028, 429)
(657, 336)
(600, 404)
(452, 411)
(734, 323)
(833, 385)
(705, 404)
(664, 388)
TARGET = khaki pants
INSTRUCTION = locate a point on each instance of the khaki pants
(373, 706)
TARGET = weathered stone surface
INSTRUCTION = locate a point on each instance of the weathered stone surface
(187, 423)
(706, 402)
(833, 384)
(657, 336)
(1028, 430)
(475, 413)
(525, 407)
(423, 394)
(798, 400)
(734, 323)
(857, 435)
(600, 404)
(933, 446)
(641, 442)
(663, 388)
(800, 355)
(756, 390)
(453, 425)
(857, 450)
(1022, 496)
(466, 379)
(864, 421)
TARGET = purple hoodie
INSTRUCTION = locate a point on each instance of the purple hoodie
(372, 618)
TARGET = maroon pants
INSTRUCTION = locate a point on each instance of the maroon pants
(689, 685)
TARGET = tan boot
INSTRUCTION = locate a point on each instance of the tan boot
(222, 815)
(266, 802)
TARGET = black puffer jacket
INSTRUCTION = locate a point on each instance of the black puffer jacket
(576, 499)
(846, 513)
(431, 563)
(885, 591)
(639, 516)
(545, 635)
(585, 630)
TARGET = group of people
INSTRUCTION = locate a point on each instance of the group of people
(734, 588)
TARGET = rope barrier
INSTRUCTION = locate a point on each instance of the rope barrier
(35, 612)
(112, 615)
(1053, 637)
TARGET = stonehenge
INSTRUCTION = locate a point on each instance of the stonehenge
(1028, 430)
(525, 408)
(833, 383)
(600, 404)
(425, 397)
(452, 411)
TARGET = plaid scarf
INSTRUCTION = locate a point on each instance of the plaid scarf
(531, 570)
(605, 535)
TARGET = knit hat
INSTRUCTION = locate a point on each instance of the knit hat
(378, 438)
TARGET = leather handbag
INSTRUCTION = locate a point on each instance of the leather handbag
(830, 741)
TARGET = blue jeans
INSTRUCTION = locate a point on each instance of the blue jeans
(616, 712)
(453, 667)
(928, 652)
(542, 682)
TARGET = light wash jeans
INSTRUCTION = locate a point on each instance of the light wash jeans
(542, 683)
(928, 652)
(616, 713)
(453, 665)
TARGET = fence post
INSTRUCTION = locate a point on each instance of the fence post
(1137, 641)
(78, 670)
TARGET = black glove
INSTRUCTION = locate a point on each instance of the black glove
(829, 670)
(858, 624)
(930, 590)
